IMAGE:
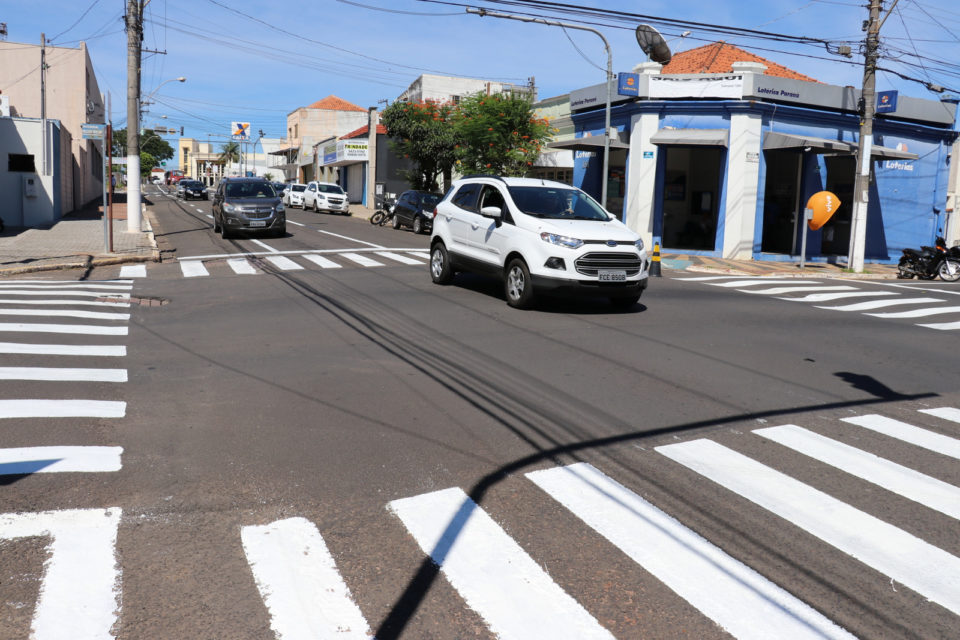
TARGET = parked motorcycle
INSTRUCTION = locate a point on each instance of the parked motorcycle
(929, 262)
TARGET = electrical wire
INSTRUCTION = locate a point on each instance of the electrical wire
(406, 13)
(82, 16)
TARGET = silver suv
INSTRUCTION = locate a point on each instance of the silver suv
(537, 236)
(247, 204)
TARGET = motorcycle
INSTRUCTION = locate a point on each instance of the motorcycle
(929, 262)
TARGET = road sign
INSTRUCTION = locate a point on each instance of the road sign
(92, 131)
(241, 130)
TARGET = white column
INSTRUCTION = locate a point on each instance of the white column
(642, 175)
(743, 175)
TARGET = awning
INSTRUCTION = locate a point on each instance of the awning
(691, 137)
(589, 143)
(886, 153)
(774, 140)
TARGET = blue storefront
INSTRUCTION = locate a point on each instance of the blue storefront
(722, 165)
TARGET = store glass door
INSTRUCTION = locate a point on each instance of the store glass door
(781, 202)
(841, 172)
(691, 189)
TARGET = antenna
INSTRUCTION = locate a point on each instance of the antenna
(653, 44)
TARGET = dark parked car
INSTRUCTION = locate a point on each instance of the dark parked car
(247, 204)
(415, 209)
(187, 189)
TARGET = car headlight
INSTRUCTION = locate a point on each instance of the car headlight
(563, 241)
(639, 244)
(229, 208)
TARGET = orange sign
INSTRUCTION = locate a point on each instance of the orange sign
(824, 205)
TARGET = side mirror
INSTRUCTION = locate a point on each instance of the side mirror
(491, 212)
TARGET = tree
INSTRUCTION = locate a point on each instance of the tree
(424, 133)
(499, 134)
(150, 143)
(230, 152)
(268, 176)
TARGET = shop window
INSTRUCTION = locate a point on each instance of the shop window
(691, 185)
(22, 162)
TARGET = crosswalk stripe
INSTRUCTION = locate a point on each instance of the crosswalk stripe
(942, 326)
(44, 286)
(736, 597)
(74, 303)
(263, 244)
(946, 413)
(910, 484)
(775, 291)
(323, 262)
(62, 409)
(398, 257)
(241, 266)
(56, 374)
(299, 582)
(928, 570)
(909, 433)
(916, 313)
(65, 313)
(49, 292)
(86, 329)
(133, 271)
(24, 460)
(282, 263)
(420, 254)
(705, 278)
(69, 282)
(490, 570)
(746, 282)
(881, 304)
(825, 297)
(193, 269)
(63, 349)
(362, 260)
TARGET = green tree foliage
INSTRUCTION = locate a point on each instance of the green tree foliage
(499, 134)
(230, 152)
(150, 143)
(424, 133)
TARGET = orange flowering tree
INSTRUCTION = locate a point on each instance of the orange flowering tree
(424, 133)
(499, 134)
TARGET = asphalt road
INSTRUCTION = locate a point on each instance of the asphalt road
(301, 431)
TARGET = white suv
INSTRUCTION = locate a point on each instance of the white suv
(325, 196)
(537, 236)
(293, 195)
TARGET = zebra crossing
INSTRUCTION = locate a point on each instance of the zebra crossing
(816, 292)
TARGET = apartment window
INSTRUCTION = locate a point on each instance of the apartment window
(296, 131)
(21, 162)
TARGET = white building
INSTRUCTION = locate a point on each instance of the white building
(30, 198)
(453, 89)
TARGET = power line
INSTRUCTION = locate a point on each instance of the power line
(82, 16)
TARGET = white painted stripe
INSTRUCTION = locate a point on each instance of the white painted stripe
(946, 413)
(323, 262)
(420, 254)
(299, 582)
(87, 329)
(909, 433)
(60, 460)
(825, 297)
(73, 303)
(337, 235)
(241, 266)
(299, 224)
(210, 216)
(915, 313)
(283, 263)
(133, 271)
(193, 269)
(40, 285)
(56, 374)
(63, 349)
(931, 572)
(901, 480)
(260, 243)
(362, 260)
(758, 281)
(298, 252)
(59, 292)
(706, 278)
(881, 304)
(92, 282)
(62, 409)
(737, 598)
(80, 592)
(776, 291)
(942, 326)
(490, 571)
(64, 313)
(398, 257)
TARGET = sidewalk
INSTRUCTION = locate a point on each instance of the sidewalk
(77, 241)
(720, 266)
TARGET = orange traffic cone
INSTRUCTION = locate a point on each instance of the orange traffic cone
(655, 261)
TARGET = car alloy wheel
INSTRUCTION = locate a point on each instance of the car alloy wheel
(417, 225)
(517, 285)
(440, 271)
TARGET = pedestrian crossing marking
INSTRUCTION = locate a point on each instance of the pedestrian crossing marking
(283, 263)
(82, 294)
(398, 257)
(908, 433)
(361, 260)
(65, 313)
(62, 409)
(63, 349)
(775, 291)
(827, 297)
(916, 313)
(946, 413)
(26, 460)
(322, 262)
(241, 266)
(491, 571)
(879, 304)
(740, 600)
(72, 303)
(52, 374)
(133, 271)
(928, 570)
(942, 326)
(88, 329)
(755, 282)
(193, 269)
(420, 254)
(55, 287)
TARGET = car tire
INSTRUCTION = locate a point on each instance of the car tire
(216, 225)
(624, 304)
(440, 270)
(224, 232)
(417, 225)
(396, 221)
(517, 285)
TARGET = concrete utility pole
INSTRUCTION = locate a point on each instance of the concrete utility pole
(44, 155)
(861, 188)
(373, 119)
(134, 26)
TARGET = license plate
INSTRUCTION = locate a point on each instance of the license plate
(607, 275)
(258, 223)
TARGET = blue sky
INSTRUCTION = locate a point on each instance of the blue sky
(285, 54)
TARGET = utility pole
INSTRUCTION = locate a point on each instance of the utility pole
(134, 26)
(44, 157)
(868, 97)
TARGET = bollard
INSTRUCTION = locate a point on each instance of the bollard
(655, 261)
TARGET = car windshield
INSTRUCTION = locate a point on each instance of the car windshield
(189, 184)
(250, 190)
(557, 203)
(430, 199)
(299, 187)
(329, 188)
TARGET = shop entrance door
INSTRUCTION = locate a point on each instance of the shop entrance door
(781, 202)
(691, 189)
(836, 232)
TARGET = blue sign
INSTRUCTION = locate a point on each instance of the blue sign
(648, 154)
(886, 101)
(628, 84)
(93, 131)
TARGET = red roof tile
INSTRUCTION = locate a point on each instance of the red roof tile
(362, 131)
(333, 103)
(718, 57)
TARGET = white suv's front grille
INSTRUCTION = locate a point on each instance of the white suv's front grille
(591, 263)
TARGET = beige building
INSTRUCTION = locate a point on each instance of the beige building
(453, 89)
(72, 97)
(306, 126)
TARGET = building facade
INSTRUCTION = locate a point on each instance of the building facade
(453, 89)
(306, 126)
(31, 198)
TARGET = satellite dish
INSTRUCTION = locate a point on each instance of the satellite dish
(653, 44)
